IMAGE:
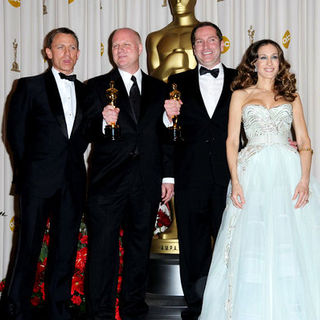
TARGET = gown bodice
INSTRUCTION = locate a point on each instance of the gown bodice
(259, 121)
(265, 127)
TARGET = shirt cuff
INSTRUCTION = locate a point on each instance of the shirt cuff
(104, 124)
(168, 180)
(166, 121)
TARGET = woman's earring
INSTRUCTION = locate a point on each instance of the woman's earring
(255, 69)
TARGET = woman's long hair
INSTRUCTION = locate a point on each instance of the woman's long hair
(285, 82)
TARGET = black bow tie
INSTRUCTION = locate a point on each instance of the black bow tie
(214, 72)
(72, 77)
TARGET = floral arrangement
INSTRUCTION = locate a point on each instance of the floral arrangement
(77, 287)
(163, 220)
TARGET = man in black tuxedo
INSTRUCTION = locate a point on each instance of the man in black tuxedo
(47, 142)
(200, 164)
(125, 180)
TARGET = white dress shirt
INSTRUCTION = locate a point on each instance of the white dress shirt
(211, 88)
(126, 78)
(68, 98)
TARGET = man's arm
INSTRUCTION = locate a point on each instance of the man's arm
(17, 121)
(93, 123)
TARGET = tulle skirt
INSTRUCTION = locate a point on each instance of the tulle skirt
(266, 261)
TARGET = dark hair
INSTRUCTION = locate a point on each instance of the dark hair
(205, 24)
(47, 42)
(285, 82)
(50, 36)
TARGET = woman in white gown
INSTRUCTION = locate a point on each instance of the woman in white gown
(266, 262)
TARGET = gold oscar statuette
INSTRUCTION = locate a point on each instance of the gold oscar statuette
(251, 33)
(15, 66)
(44, 7)
(169, 50)
(112, 131)
(175, 129)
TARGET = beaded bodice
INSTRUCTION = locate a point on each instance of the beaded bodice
(265, 127)
(260, 121)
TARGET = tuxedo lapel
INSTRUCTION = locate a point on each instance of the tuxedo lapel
(195, 87)
(145, 89)
(225, 89)
(55, 101)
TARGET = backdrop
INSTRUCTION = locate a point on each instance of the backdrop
(24, 23)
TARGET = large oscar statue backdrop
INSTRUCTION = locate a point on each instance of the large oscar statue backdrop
(169, 51)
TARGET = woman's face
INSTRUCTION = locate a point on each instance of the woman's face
(267, 64)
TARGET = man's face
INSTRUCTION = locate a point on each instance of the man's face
(207, 47)
(63, 53)
(126, 49)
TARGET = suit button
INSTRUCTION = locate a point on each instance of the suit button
(206, 141)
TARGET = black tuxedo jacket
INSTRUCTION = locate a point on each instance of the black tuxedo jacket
(201, 159)
(110, 160)
(44, 157)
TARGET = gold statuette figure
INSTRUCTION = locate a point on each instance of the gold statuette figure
(44, 8)
(169, 50)
(112, 131)
(251, 33)
(15, 66)
(175, 129)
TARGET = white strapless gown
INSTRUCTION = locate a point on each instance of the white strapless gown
(266, 261)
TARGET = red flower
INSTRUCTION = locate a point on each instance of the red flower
(46, 239)
(42, 291)
(76, 300)
(119, 283)
(81, 258)
(77, 284)
(2, 285)
(117, 310)
(35, 300)
(84, 239)
(41, 267)
(36, 287)
(164, 219)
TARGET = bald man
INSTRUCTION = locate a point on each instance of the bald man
(126, 179)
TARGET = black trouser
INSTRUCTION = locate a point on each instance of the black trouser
(126, 206)
(65, 216)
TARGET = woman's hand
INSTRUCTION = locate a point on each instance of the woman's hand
(302, 194)
(237, 196)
